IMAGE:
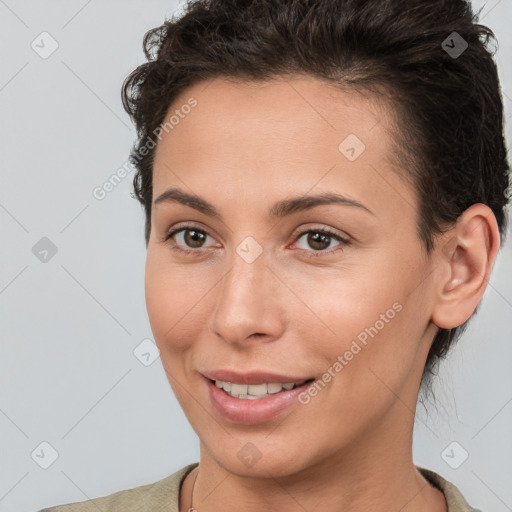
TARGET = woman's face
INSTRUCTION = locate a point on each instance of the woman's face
(263, 290)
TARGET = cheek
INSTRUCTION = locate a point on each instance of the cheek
(346, 303)
(379, 356)
(369, 329)
(176, 298)
(169, 304)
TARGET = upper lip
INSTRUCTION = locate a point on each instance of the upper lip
(252, 377)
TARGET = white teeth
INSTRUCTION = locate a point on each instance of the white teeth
(254, 391)
(238, 389)
(257, 389)
(274, 388)
(223, 385)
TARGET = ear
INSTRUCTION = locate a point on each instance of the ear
(466, 257)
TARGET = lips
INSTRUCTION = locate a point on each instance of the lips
(254, 377)
(252, 410)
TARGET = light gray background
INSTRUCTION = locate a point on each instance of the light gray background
(69, 327)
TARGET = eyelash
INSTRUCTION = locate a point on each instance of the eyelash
(313, 254)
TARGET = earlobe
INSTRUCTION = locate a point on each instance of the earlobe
(466, 258)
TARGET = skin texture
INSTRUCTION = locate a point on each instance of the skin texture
(244, 147)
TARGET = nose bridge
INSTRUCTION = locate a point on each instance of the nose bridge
(248, 267)
(247, 300)
(246, 283)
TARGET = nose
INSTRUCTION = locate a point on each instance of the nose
(250, 303)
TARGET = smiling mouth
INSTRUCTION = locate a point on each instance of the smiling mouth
(257, 391)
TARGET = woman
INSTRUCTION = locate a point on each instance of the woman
(325, 190)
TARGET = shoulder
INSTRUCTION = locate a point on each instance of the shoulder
(159, 496)
(454, 498)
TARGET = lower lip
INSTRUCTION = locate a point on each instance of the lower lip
(250, 412)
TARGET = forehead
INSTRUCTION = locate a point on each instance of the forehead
(285, 135)
(301, 106)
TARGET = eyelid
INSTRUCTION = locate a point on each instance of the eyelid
(321, 228)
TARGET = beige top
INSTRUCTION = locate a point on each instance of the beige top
(163, 496)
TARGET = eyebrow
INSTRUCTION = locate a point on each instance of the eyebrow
(278, 210)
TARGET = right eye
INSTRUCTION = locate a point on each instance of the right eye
(191, 237)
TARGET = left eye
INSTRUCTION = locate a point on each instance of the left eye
(192, 238)
(317, 238)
